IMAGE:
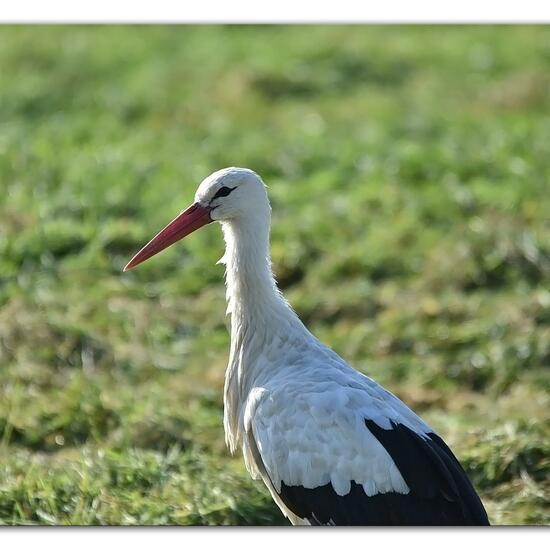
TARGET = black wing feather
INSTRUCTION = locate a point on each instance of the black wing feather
(440, 492)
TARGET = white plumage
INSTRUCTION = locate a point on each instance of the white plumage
(331, 444)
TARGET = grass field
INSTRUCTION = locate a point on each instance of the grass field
(409, 173)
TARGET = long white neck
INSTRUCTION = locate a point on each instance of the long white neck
(251, 289)
(259, 313)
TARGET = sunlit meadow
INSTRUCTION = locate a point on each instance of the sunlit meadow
(409, 174)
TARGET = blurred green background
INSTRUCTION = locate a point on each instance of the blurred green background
(409, 173)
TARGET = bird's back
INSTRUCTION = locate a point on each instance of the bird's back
(333, 446)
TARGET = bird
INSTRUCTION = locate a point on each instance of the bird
(332, 446)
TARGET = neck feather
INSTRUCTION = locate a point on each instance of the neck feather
(251, 288)
(260, 315)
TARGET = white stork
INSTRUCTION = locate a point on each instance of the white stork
(331, 445)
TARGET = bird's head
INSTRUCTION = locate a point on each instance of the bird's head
(232, 193)
(226, 195)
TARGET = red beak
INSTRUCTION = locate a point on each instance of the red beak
(184, 224)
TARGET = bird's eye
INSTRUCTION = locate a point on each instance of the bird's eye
(223, 192)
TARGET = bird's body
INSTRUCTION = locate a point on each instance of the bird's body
(331, 445)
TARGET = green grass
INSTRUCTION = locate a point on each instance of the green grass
(409, 173)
